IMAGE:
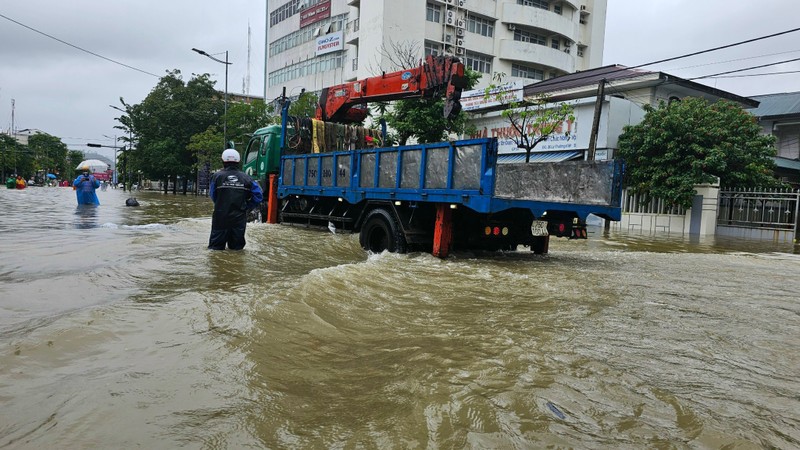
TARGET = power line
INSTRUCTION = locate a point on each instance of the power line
(734, 60)
(761, 74)
(746, 68)
(718, 48)
(79, 48)
(556, 82)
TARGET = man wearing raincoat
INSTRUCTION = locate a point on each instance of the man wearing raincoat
(85, 186)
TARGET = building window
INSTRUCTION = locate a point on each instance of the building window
(555, 43)
(432, 48)
(478, 62)
(535, 3)
(307, 34)
(518, 70)
(557, 9)
(525, 36)
(312, 66)
(433, 13)
(479, 25)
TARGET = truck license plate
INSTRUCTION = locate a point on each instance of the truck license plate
(539, 228)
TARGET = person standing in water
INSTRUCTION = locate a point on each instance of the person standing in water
(234, 193)
(85, 188)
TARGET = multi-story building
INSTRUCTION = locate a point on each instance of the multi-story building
(318, 43)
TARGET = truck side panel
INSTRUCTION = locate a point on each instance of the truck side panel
(461, 172)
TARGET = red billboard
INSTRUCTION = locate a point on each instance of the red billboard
(315, 13)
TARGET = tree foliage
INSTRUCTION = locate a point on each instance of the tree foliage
(178, 126)
(49, 153)
(692, 141)
(15, 157)
(534, 120)
(304, 106)
(164, 122)
(245, 118)
(423, 118)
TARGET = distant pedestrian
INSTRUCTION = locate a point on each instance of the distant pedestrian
(85, 187)
(21, 184)
(233, 193)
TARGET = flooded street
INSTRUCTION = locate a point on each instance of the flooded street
(118, 329)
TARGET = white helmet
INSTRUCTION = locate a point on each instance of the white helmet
(230, 155)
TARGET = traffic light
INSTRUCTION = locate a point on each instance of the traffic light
(93, 145)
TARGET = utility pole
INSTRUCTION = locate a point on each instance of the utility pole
(14, 136)
(598, 108)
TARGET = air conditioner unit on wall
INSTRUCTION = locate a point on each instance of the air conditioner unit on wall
(511, 27)
(460, 23)
(450, 21)
(459, 42)
(460, 32)
(460, 51)
(448, 38)
(461, 3)
(449, 2)
(580, 52)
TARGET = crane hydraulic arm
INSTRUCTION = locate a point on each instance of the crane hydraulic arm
(437, 75)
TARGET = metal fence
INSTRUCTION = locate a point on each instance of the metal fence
(772, 211)
(645, 204)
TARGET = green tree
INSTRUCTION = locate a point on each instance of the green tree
(692, 141)
(245, 118)
(206, 146)
(8, 155)
(422, 118)
(304, 106)
(162, 125)
(50, 154)
(534, 120)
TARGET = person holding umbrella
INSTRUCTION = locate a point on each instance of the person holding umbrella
(85, 187)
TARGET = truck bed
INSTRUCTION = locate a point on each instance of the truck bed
(461, 172)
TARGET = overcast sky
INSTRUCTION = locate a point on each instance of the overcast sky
(67, 92)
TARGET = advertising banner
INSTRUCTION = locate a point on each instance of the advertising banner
(315, 13)
(329, 43)
(505, 93)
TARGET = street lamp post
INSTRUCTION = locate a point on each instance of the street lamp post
(130, 147)
(115, 147)
(114, 179)
(225, 112)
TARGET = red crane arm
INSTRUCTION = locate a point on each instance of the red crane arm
(435, 75)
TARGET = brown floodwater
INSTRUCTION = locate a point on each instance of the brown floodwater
(118, 329)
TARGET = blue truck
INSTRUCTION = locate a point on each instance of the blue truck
(434, 197)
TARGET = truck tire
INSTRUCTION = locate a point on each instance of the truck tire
(381, 232)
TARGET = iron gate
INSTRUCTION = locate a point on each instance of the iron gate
(759, 214)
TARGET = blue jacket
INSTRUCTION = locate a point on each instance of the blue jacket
(233, 193)
(85, 187)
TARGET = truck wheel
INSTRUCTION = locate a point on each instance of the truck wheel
(381, 232)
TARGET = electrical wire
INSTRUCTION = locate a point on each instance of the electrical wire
(759, 74)
(555, 82)
(745, 69)
(79, 48)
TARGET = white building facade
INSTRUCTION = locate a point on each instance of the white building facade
(314, 44)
